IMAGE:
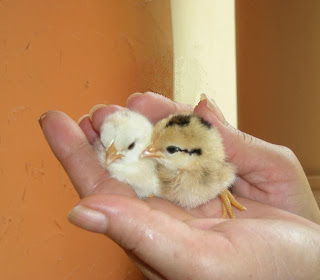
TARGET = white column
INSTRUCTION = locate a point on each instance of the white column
(204, 53)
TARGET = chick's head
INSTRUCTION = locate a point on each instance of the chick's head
(124, 135)
(185, 142)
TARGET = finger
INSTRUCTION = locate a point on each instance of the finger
(243, 150)
(155, 106)
(264, 169)
(99, 112)
(245, 189)
(147, 271)
(77, 156)
(148, 234)
(86, 125)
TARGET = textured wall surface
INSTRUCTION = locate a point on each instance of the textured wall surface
(66, 55)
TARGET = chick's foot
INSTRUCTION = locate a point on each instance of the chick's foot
(227, 200)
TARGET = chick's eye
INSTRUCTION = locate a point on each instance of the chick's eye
(131, 146)
(172, 149)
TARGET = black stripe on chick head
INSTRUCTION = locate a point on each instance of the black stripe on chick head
(174, 149)
(180, 120)
(204, 122)
(198, 152)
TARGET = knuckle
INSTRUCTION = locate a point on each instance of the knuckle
(246, 138)
(83, 145)
(288, 154)
(287, 151)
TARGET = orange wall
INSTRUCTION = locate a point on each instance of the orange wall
(66, 55)
(278, 67)
(278, 46)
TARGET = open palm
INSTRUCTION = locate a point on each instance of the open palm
(267, 173)
(169, 242)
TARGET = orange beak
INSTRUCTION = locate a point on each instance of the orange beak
(112, 154)
(151, 151)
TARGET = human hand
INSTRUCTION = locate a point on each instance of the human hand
(137, 224)
(285, 246)
(267, 173)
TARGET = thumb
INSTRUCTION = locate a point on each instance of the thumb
(165, 244)
(247, 152)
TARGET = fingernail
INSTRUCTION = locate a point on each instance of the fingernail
(88, 219)
(131, 96)
(41, 118)
(212, 106)
(95, 108)
(82, 117)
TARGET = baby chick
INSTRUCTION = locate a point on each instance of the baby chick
(192, 169)
(124, 135)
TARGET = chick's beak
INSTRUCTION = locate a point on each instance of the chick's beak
(112, 154)
(151, 151)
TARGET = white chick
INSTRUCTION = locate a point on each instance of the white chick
(124, 135)
(192, 168)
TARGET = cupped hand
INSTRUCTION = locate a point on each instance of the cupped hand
(267, 173)
(285, 246)
(167, 242)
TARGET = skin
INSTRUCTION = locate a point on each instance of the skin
(277, 237)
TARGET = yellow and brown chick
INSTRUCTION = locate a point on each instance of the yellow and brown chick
(192, 166)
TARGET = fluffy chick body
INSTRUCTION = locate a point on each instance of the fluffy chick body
(124, 135)
(192, 165)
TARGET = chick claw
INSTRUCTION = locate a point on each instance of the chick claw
(227, 200)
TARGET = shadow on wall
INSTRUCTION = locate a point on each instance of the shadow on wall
(278, 66)
(66, 55)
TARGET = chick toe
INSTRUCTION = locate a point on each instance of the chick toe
(235, 203)
(224, 210)
(227, 201)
